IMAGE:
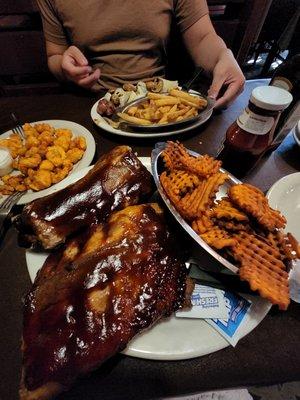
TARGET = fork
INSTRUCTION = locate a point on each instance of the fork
(18, 129)
(7, 205)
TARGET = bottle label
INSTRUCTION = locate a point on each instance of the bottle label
(255, 123)
(282, 83)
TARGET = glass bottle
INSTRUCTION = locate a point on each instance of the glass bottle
(287, 76)
(252, 133)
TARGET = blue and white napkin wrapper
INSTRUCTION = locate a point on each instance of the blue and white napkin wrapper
(207, 302)
(238, 309)
(225, 311)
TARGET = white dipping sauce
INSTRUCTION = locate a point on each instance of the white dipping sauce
(5, 161)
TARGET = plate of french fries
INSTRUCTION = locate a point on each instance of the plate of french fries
(158, 114)
(165, 110)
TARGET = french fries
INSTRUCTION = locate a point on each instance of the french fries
(134, 120)
(196, 100)
(164, 108)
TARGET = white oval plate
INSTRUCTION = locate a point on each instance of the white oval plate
(77, 130)
(173, 338)
(284, 195)
(101, 123)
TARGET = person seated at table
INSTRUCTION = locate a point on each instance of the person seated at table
(102, 44)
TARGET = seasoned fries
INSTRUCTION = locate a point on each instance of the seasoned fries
(242, 227)
(45, 157)
(164, 108)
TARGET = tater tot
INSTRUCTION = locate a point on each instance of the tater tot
(15, 180)
(74, 155)
(21, 151)
(30, 162)
(21, 187)
(59, 174)
(63, 132)
(43, 127)
(56, 155)
(78, 142)
(47, 165)
(6, 189)
(31, 141)
(46, 137)
(32, 151)
(43, 148)
(41, 180)
(63, 141)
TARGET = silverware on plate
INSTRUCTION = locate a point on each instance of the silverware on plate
(186, 86)
(18, 129)
(6, 207)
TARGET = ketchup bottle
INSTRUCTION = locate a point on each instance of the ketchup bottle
(252, 133)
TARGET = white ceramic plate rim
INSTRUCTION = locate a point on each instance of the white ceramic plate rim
(275, 193)
(77, 130)
(173, 338)
(101, 123)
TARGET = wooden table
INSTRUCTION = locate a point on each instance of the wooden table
(269, 354)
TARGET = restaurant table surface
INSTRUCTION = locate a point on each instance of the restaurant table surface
(269, 354)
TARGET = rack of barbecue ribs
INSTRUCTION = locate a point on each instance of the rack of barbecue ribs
(116, 181)
(94, 294)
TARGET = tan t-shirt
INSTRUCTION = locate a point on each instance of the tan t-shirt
(126, 39)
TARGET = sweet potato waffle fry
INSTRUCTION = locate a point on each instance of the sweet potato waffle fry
(176, 157)
(203, 224)
(218, 238)
(231, 225)
(251, 200)
(171, 190)
(260, 265)
(202, 198)
(242, 225)
(183, 182)
(281, 242)
(225, 209)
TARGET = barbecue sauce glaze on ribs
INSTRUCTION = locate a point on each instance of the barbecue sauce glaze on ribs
(95, 294)
(116, 181)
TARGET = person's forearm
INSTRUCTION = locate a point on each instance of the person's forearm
(54, 64)
(208, 51)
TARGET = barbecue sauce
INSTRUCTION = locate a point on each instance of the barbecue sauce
(117, 180)
(78, 318)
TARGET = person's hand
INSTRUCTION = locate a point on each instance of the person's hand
(228, 73)
(76, 68)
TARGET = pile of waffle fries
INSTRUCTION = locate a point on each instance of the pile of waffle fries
(242, 227)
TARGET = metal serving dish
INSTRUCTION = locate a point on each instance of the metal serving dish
(171, 125)
(215, 261)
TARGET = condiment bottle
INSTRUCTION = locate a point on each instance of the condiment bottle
(5, 161)
(251, 134)
(287, 76)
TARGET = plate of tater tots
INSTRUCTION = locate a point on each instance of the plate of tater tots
(50, 152)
